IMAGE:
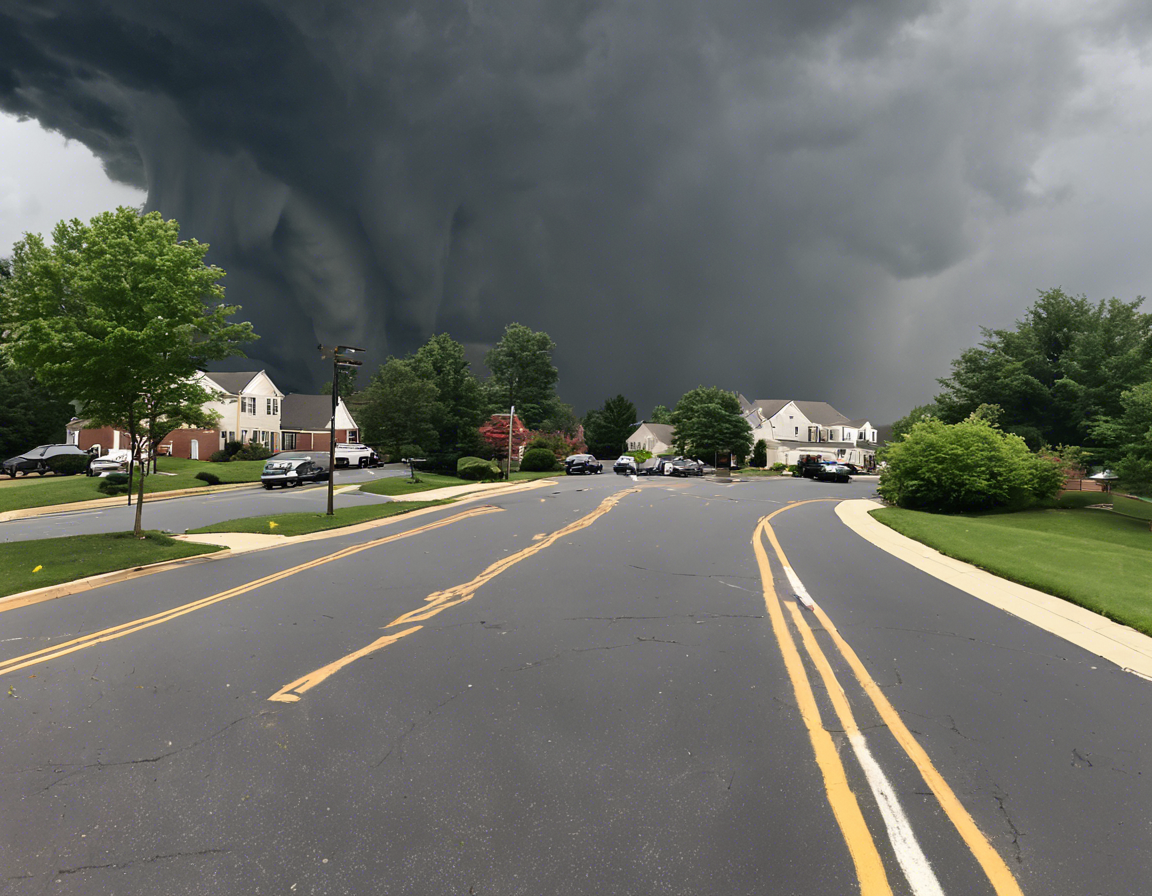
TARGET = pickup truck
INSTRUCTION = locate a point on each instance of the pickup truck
(351, 454)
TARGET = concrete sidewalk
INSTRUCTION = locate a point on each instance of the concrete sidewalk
(1119, 644)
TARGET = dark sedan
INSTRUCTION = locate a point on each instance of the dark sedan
(582, 463)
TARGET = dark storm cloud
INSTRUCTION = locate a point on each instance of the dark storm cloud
(678, 192)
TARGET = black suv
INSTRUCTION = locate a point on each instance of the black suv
(36, 460)
(582, 463)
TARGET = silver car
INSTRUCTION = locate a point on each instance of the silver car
(290, 468)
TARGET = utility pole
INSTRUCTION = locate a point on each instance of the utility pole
(339, 360)
(511, 417)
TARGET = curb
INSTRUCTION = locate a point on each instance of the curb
(98, 503)
(1119, 644)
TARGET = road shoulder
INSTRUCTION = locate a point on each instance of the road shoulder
(1119, 644)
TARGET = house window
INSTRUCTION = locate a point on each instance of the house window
(352, 436)
(795, 429)
(244, 436)
(289, 441)
(247, 405)
(272, 406)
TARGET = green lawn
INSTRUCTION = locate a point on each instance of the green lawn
(304, 523)
(77, 556)
(1094, 558)
(402, 485)
(36, 491)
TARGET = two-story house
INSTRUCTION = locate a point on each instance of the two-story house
(250, 408)
(794, 429)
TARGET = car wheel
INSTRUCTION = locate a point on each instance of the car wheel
(363, 462)
(268, 485)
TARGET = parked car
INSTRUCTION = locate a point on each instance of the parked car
(115, 461)
(655, 466)
(833, 472)
(289, 468)
(683, 466)
(582, 463)
(36, 460)
(625, 465)
(352, 454)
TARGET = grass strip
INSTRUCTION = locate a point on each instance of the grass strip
(1094, 558)
(48, 491)
(25, 565)
(403, 485)
(304, 523)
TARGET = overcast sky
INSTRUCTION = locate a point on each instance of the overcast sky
(820, 200)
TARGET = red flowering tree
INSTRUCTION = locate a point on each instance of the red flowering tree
(494, 432)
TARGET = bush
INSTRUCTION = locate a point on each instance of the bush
(219, 457)
(640, 456)
(538, 460)
(777, 467)
(967, 466)
(760, 454)
(210, 478)
(114, 484)
(68, 464)
(252, 451)
(476, 468)
(231, 448)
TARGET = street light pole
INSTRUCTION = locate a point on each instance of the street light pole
(339, 360)
(511, 417)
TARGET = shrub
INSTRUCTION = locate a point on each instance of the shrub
(777, 467)
(252, 451)
(231, 448)
(760, 454)
(219, 457)
(476, 468)
(68, 464)
(114, 484)
(210, 478)
(640, 456)
(967, 466)
(538, 460)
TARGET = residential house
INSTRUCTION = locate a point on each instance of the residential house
(305, 423)
(653, 437)
(795, 429)
(250, 408)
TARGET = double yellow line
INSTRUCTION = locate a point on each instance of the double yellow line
(128, 628)
(869, 867)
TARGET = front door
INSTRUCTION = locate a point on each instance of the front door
(195, 449)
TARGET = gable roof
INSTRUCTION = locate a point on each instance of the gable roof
(662, 431)
(310, 413)
(233, 383)
(771, 407)
(859, 423)
(821, 412)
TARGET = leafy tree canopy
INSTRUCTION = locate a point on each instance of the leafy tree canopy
(30, 415)
(119, 314)
(660, 414)
(400, 408)
(459, 405)
(1059, 373)
(608, 428)
(523, 374)
(707, 420)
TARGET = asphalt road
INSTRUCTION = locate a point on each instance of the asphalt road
(179, 514)
(603, 686)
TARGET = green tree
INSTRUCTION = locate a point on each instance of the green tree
(966, 466)
(905, 423)
(660, 414)
(609, 427)
(1059, 373)
(30, 415)
(760, 453)
(523, 374)
(1125, 441)
(400, 409)
(346, 382)
(119, 314)
(459, 406)
(708, 420)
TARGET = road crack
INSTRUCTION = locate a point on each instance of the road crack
(147, 861)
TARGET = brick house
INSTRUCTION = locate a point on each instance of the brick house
(304, 422)
(251, 408)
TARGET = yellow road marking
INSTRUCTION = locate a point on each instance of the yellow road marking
(862, 848)
(995, 869)
(439, 601)
(127, 628)
(290, 693)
